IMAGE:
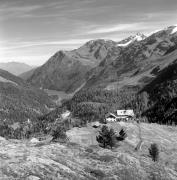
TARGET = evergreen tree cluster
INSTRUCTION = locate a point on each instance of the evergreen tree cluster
(108, 138)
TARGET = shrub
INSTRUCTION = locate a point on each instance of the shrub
(89, 150)
(96, 173)
(122, 135)
(59, 133)
(106, 158)
(154, 152)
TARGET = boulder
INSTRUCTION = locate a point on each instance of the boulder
(34, 140)
(96, 124)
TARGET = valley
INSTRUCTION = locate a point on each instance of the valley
(46, 112)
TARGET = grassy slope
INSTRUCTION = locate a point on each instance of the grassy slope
(72, 161)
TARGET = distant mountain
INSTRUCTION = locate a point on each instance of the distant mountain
(108, 64)
(15, 68)
(66, 70)
(135, 64)
(27, 74)
(19, 100)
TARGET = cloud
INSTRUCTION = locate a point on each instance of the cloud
(19, 45)
(116, 28)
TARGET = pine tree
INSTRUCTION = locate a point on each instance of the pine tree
(154, 152)
(106, 137)
(102, 138)
(112, 138)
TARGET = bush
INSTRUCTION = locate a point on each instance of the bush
(106, 158)
(89, 150)
(96, 173)
(59, 133)
(154, 152)
(122, 135)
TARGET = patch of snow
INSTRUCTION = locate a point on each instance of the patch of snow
(153, 32)
(126, 44)
(174, 30)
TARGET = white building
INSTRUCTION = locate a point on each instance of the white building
(121, 115)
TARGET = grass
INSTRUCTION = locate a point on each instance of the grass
(75, 161)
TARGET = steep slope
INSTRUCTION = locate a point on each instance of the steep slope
(25, 160)
(66, 70)
(162, 93)
(19, 100)
(15, 68)
(133, 66)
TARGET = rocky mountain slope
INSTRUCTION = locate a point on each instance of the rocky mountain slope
(106, 63)
(19, 100)
(26, 160)
(66, 70)
(136, 62)
(15, 68)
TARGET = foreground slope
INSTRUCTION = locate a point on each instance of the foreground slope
(19, 100)
(25, 160)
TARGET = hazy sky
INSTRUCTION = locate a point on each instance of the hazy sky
(33, 30)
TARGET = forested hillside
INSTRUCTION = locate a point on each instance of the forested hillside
(19, 100)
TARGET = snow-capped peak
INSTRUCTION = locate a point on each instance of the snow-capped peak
(139, 37)
(127, 41)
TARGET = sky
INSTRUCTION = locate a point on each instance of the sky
(31, 31)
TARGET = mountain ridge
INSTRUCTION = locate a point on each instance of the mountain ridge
(16, 68)
(70, 69)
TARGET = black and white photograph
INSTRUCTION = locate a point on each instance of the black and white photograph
(88, 89)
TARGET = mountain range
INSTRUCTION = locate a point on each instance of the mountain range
(16, 68)
(108, 64)
(136, 63)
(66, 70)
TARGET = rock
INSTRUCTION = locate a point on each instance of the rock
(34, 140)
(32, 178)
(2, 139)
(96, 124)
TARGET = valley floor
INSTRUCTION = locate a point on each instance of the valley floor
(86, 160)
